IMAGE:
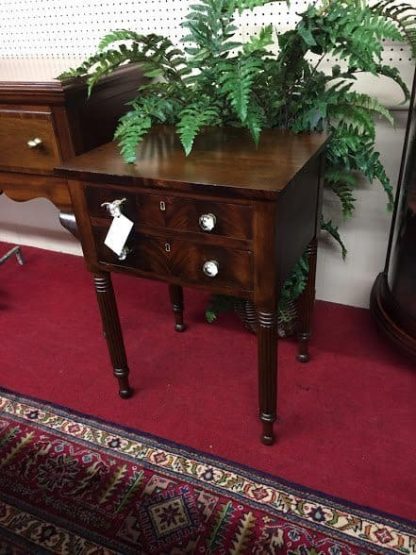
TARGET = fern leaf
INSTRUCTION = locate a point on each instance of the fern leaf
(192, 119)
(236, 82)
(259, 42)
(333, 231)
(255, 120)
(242, 5)
(117, 36)
(403, 15)
(394, 73)
(369, 104)
(130, 131)
(342, 182)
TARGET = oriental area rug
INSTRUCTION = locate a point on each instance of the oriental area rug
(71, 484)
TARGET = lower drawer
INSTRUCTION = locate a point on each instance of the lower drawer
(161, 257)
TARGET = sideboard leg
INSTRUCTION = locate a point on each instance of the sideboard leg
(176, 299)
(305, 305)
(267, 362)
(112, 331)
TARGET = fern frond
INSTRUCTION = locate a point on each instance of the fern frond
(342, 182)
(130, 131)
(255, 120)
(352, 117)
(117, 36)
(260, 42)
(403, 15)
(236, 81)
(333, 231)
(369, 104)
(368, 162)
(394, 73)
(242, 5)
(193, 118)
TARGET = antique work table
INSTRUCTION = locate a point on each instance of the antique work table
(230, 218)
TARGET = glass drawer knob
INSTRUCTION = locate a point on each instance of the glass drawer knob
(207, 222)
(211, 268)
(114, 208)
(124, 253)
(33, 143)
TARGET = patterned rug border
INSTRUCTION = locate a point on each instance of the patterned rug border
(155, 442)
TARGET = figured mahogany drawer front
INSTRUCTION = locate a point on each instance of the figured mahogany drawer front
(27, 140)
(176, 213)
(199, 216)
(192, 262)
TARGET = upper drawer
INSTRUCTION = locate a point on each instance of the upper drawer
(176, 213)
(27, 140)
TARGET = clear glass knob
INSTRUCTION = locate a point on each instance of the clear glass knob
(124, 253)
(114, 208)
(211, 268)
(207, 222)
(33, 143)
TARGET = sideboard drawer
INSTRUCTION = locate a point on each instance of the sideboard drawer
(163, 257)
(159, 211)
(27, 140)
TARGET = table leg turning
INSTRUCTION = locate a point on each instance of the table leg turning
(305, 305)
(176, 299)
(112, 331)
(267, 364)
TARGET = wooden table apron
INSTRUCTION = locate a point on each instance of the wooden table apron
(266, 208)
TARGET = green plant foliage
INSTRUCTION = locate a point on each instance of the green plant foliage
(216, 80)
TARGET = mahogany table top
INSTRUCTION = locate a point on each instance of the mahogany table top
(225, 160)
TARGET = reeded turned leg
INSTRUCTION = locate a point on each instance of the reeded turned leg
(112, 331)
(305, 305)
(176, 299)
(267, 362)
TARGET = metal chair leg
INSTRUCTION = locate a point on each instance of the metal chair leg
(14, 251)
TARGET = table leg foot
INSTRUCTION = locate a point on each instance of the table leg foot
(125, 391)
(303, 347)
(176, 299)
(268, 436)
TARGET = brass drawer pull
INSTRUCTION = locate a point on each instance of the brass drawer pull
(211, 268)
(114, 208)
(207, 222)
(33, 143)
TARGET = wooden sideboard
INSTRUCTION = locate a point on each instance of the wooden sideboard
(230, 218)
(44, 122)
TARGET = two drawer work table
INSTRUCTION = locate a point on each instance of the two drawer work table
(230, 218)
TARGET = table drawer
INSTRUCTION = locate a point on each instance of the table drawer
(176, 213)
(163, 257)
(194, 215)
(27, 140)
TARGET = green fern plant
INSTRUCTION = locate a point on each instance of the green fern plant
(217, 80)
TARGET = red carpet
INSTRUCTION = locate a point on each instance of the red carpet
(348, 418)
(71, 484)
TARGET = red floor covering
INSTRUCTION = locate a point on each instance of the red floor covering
(347, 419)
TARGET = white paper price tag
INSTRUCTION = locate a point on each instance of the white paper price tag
(118, 234)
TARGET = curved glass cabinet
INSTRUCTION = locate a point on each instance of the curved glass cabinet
(393, 298)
